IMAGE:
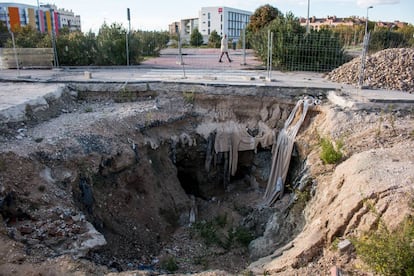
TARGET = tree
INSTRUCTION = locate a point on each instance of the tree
(280, 26)
(293, 49)
(150, 43)
(350, 35)
(214, 40)
(111, 41)
(196, 38)
(4, 34)
(75, 48)
(385, 38)
(262, 17)
(28, 37)
(408, 32)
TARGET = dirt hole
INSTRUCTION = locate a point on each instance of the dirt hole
(194, 220)
(160, 207)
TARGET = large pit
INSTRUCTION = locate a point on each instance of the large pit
(163, 177)
(138, 162)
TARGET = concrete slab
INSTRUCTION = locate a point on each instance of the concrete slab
(16, 97)
(369, 99)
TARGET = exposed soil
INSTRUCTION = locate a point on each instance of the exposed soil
(135, 172)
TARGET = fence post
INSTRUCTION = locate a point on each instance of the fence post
(127, 36)
(269, 54)
(55, 53)
(244, 45)
(15, 54)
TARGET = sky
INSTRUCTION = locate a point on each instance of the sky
(155, 15)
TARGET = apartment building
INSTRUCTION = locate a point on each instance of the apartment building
(67, 18)
(223, 20)
(184, 27)
(46, 18)
(332, 21)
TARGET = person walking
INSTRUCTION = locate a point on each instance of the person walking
(224, 48)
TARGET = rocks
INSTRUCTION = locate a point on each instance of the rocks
(391, 69)
(344, 245)
(56, 231)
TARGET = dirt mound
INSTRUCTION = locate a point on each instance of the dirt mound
(377, 169)
(387, 69)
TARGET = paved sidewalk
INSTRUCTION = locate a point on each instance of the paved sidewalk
(203, 58)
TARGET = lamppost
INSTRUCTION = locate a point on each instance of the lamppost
(364, 52)
(38, 16)
(307, 21)
(366, 22)
(127, 35)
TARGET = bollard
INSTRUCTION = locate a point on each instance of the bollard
(87, 74)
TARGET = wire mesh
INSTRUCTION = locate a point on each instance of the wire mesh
(317, 51)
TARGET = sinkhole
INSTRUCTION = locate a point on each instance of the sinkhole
(173, 181)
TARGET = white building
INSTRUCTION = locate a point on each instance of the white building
(186, 28)
(223, 20)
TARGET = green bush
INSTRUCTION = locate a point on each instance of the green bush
(213, 232)
(169, 264)
(189, 96)
(221, 220)
(196, 38)
(214, 41)
(207, 230)
(243, 236)
(105, 48)
(330, 154)
(384, 39)
(294, 49)
(388, 252)
(318, 51)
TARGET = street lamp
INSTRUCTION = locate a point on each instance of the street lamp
(38, 16)
(364, 52)
(366, 22)
(307, 21)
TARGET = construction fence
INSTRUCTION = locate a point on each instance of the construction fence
(320, 51)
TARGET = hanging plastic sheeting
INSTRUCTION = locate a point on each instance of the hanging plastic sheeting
(232, 138)
(228, 139)
(282, 150)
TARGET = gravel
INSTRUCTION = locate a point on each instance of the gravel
(391, 69)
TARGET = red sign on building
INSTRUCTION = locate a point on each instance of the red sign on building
(220, 10)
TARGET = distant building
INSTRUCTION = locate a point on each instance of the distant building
(66, 18)
(223, 20)
(391, 25)
(184, 27)
(15, 15)
(333, 21)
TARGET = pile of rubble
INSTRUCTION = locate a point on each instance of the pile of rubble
(391, 69)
